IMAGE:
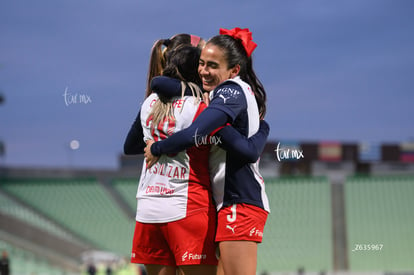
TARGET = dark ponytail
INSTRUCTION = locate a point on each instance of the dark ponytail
(160, 53)
(183, 63)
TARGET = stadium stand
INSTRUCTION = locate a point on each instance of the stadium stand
(298, 230)
(127, 188)
(12, 207)
(378, 219)
(380, 222)
(83, 206)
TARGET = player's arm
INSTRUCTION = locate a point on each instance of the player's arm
(134, 143)
(231, 140)
(206, 122)
(218, 113)
(249, 149)
(165, 86)
(168, 87)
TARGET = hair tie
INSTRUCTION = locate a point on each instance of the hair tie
(195, 40)
(166, 42)
(244, 35)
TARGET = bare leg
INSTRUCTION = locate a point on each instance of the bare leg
(220, 269)
(238, 257)
(153, 269)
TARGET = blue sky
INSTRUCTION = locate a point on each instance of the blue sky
(333, 70)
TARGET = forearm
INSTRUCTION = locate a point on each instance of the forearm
(168, 87)
(134, 143)
(249, 149)
(207, 121)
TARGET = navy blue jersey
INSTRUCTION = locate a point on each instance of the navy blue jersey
(238, 181)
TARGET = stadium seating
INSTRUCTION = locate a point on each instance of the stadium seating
(17, 210)
(380, 223)
(298, 231)
(127, 188)
(83, 206)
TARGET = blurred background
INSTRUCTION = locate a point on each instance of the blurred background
(338, 166)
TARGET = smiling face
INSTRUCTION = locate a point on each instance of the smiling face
(213, 67)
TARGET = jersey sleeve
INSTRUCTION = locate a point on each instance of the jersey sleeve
(227, 103)
(230, 99)
(249, 149)
(206, 122)
(134, 143)
(168, 86)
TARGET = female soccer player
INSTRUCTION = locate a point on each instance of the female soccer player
(175, 220)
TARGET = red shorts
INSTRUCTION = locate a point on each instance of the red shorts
(189, 241)
(241, 222)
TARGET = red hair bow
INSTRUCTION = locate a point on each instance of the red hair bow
(244, 35)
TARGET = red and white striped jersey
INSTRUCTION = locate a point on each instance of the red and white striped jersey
(177, 184)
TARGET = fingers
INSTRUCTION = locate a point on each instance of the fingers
(206, 98)
(147, 149)
(150, 159)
